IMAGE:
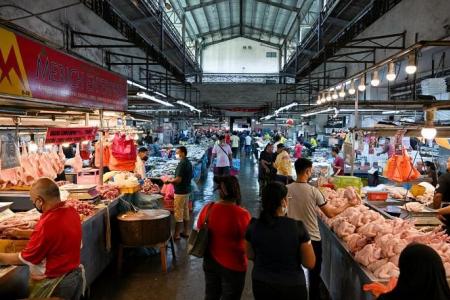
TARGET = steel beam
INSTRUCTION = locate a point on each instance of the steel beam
(202, 5)
(220, 30)
(280, 5)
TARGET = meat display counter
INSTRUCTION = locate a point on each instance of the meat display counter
(99, 239)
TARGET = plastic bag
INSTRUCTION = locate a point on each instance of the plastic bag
(400, 168)
(123, 149)
(236, 164)
(377, 288)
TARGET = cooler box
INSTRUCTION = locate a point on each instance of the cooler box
(88, 177)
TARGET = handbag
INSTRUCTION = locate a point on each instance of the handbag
(229, 160)
(198, 239)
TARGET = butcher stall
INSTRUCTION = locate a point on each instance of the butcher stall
(363, 244)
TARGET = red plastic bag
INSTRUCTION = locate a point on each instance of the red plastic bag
(123, 149)
(400, 168)
(377, 288)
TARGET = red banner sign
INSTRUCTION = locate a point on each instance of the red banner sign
(70, 135)
(31, 69)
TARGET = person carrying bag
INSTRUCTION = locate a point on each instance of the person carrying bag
(198, 240)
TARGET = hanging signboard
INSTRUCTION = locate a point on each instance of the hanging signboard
(9, 152)
(32, 70)
(70, 135)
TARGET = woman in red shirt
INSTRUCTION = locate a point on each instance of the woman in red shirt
(338, 163)
(225, 262)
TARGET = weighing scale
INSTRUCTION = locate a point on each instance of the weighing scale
(84, 192)
(5, 212)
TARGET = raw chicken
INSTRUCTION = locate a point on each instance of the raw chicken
(356, 242)
(387, 271)
(377, 264)
(344, 229)
(367, 255)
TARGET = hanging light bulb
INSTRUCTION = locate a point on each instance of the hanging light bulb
(342, 92)
(429, 131)
(362, 84)
(375, 79)
(319, 100)
(323, 99)
(411, 67)
(390, 76)
(352, 89)
(328, 97)
(335, 95)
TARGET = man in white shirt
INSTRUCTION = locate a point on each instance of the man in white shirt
(234, 144)
(222, 153)
(305, 199)
(248, 145)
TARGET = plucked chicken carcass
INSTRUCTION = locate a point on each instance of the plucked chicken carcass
(367, 255)
(387, 271)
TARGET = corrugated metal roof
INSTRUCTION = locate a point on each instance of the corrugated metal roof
(267, 21)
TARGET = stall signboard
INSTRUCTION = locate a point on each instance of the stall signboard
(32, 70)
(70, 135)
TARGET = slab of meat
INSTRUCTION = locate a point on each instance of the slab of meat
(20, 220)
(367, 255)
(377, 264)
(84, 209)
(344, 229)
(108, 192)
(356, 242)
(387, 271)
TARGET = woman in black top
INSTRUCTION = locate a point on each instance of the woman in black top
(266, 169)
(422, 276)
(432, 172)
(279, 247)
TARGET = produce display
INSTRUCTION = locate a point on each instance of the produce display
(376, 242)
(108, 192)
(21, 221)
(149, 187)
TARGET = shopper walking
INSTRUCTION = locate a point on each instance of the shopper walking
(298, 150)
(422, 276)
(222, 152)
(338, 163)
(234, 144)
(225, 262)
(305, 199)
(283, 165)
(248, 145)
(266, 169)
(279, 247)
(182, 187)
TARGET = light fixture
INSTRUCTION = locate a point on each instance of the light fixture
(137, 85)
(268, 117)
(286, 107)
(328, 97)
(154, 99)
(319, 99)
(324, 99)
(352, 89)
(192, 108)
(391, 112)
(428, 131)
(362, 84)
(390, 76)
(375, 81)
(318, 112)
(411, 67)
(160, 94)
(335, 95)
(342, 92)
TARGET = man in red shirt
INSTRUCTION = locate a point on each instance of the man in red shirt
(53, 252)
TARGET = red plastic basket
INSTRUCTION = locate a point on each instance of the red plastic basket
(377, 196)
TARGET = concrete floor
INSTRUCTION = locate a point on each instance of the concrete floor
(141, 276)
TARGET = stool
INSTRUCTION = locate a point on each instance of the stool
(146, 228)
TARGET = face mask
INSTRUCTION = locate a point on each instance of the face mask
(177, 156)
(39, 209)
(284, 210)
